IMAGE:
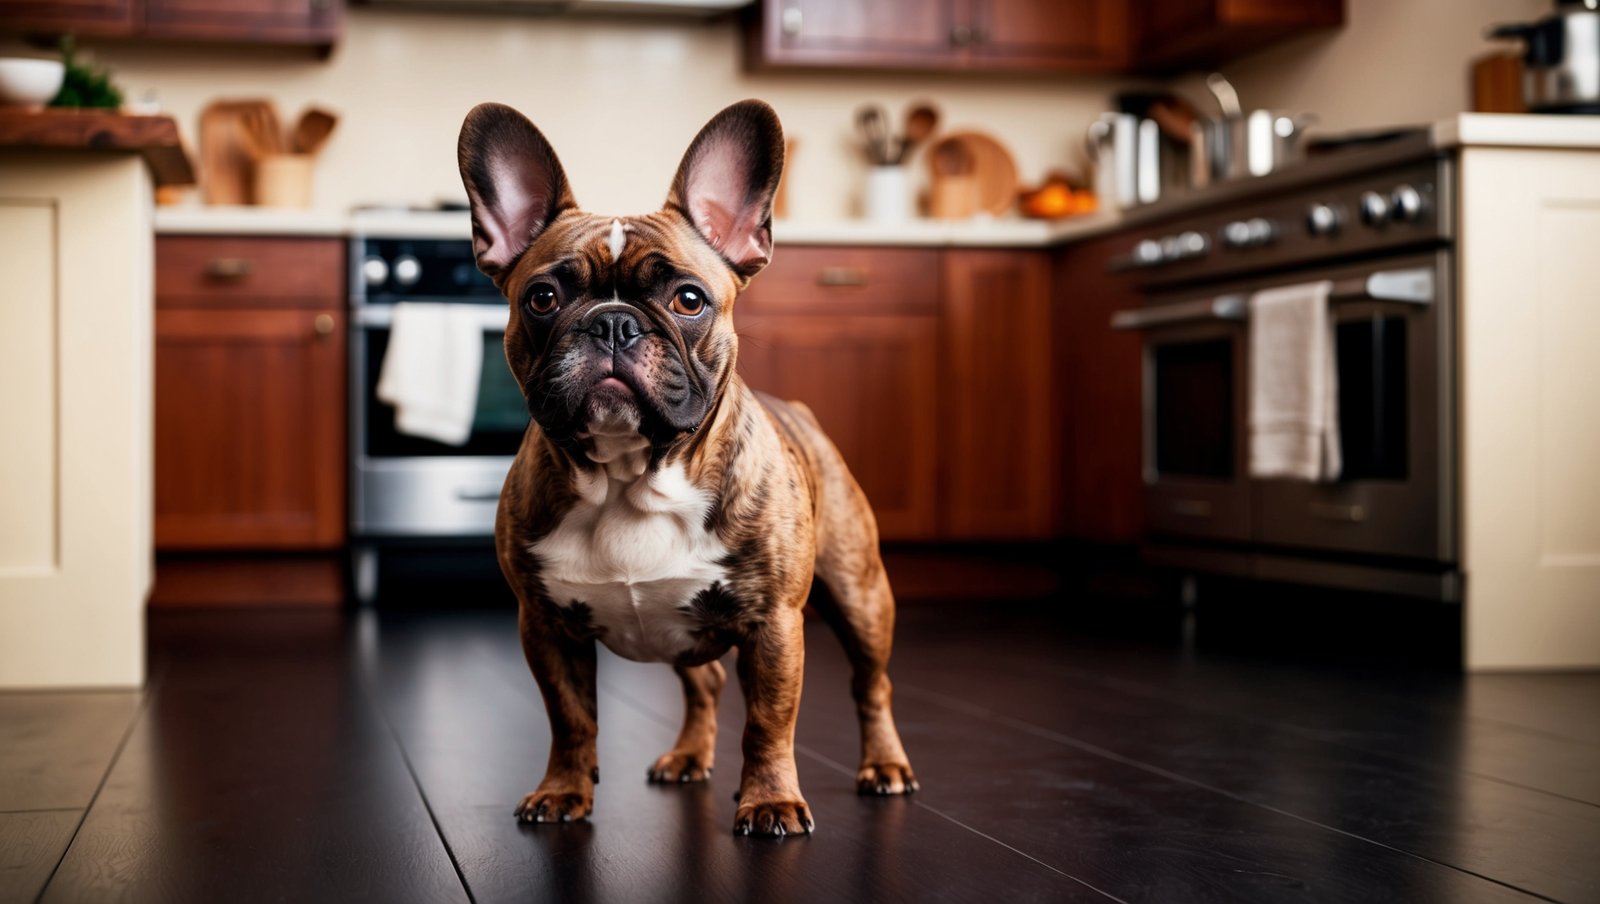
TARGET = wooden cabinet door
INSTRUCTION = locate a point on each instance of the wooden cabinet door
(266, 21)
(997, 396)
(250, 422)
(853, 34)
(85, 17)
(1178, 34)
(1048, 34)
(871, 380)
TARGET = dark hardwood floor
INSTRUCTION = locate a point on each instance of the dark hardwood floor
(324, 756)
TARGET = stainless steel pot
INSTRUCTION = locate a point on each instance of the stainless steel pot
(1133, 165)
(1243, 144)
(1561, 58)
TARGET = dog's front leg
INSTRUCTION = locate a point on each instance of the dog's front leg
(771, 666)
(564, 667)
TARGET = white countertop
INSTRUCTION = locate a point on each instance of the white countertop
(1522, 130)
(1011, 232)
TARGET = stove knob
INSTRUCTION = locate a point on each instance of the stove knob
(1260, 231)
(1322, 220)
(1236, 235)
(1407, 204)
(407, 270)
(374, 270)
(1374, 209)
(1192, 244)
(1171, 250)
(1147, 253)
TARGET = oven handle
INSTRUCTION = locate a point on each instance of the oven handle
(1223, 307)
(1414, 286)
(493, 318)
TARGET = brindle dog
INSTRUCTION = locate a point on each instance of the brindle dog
(657, 504)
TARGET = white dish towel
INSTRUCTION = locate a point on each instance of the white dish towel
(431, 370)
(1294, 384)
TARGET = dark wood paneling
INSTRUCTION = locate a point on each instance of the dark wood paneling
(85, 17)
(31, 844)
(251, 272)
(211, 581)
(1043, 35)
(1098, 371)
(996, 396)
(55, 747)
(156, 138)
(264, 21)
(871, 380)
(250, 423)
(846, 33)
(1177, 34)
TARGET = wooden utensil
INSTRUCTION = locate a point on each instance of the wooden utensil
(953, 188)
(312, 130)
(264, 131)
(873, 124)
(225, 159)
(992, 167)
(922, 119)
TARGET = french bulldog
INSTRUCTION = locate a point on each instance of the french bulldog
(658, 505)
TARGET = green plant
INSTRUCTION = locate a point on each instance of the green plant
(85, 84)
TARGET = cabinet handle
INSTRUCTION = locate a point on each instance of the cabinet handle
(229, 268)
(1192, 508)
(323, 325)
(842, 276)
(979, 35)
(960, 35)
(792, 19)
(1354, 514)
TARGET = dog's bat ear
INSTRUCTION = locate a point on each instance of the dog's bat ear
(726, 182)
(514, 181)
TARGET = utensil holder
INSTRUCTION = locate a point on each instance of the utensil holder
(284, 180)
(888, 195)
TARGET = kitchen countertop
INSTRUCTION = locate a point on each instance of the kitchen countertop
(155, 138)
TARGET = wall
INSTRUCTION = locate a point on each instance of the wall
(620, 99)
(1394, 62)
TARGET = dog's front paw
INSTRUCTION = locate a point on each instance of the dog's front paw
(886, 778)
(773, 817)
(556, 805)
(680, 766)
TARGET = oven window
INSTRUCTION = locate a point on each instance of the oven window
(1373, 403)
(1194, 409)
(498, 424)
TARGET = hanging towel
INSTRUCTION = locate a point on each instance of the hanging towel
(431, 370)
(1294, 384)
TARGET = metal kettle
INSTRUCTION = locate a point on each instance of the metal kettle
(1243, 144)
(1561, 58)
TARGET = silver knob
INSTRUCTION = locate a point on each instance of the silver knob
(1147, 253)
(1171, 249)
(1374, 208)
(1407, 204)
(1192, 244)
(1236, 235)
(1322, 220)
(792, 19)
(1260, 231)
(374, 270)
(407, 270)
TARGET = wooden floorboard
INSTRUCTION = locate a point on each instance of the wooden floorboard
(55, 746)
(31, 843)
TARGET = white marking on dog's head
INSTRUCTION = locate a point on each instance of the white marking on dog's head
(619, 237)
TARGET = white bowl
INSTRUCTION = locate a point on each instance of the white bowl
(29, 83)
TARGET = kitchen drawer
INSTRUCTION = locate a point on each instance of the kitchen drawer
(250, 272)
(840, 280)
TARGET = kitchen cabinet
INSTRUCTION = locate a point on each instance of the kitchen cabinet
(1098, 369)
(316, 23)
(250, 393)
(930, 370)
(997, 392)
(1039, 36)
(1173, 35)
(949, 35)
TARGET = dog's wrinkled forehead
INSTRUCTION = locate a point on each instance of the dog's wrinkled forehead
(625, 257)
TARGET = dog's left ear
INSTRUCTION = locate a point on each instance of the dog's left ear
(726, 182)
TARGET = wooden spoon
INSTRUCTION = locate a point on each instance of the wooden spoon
(312, 130)
(921, 121)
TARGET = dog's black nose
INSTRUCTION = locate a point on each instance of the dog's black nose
(615, 329)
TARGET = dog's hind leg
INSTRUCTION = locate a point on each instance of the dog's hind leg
(690, 759)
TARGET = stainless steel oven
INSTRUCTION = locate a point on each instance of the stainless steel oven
(1383, 239)
(405, 489)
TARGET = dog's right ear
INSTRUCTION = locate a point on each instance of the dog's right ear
(514, 181)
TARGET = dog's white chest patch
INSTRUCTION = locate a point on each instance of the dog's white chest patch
(634, 552)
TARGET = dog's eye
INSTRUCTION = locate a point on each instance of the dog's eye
(688, 301)
(541, 298)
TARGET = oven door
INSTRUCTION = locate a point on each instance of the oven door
(1194, 410)
(1395, 496)
(405, 485)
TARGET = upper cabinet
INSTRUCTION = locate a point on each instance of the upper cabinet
(313, 23)
(1040, 36)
